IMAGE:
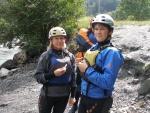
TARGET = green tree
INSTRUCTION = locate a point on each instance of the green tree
(91, 7)
(119, 14)
(33, 19)
(139, 9)
(108, 5)
(94, 7)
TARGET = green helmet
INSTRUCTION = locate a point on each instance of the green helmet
(104, 18)
(57, 31)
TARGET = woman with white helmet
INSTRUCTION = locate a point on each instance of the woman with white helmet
(55, 70)
(99, 68)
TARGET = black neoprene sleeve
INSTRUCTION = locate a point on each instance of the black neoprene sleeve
(49, 75)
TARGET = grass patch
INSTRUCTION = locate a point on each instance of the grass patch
(85, 21)
(127, 22)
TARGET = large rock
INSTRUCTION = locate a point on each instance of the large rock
(4, 72)
(9, 64)
(136, 50)
(21, 57)
(145, 87)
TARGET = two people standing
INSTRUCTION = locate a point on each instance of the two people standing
(98, 68)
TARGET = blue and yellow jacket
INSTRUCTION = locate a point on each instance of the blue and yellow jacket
(109, 60)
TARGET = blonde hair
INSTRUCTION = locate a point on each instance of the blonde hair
(49, 47)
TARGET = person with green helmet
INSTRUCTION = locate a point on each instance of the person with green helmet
(99, 68)
(55, 71)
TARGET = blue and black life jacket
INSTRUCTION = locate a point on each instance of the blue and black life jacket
(59, 60)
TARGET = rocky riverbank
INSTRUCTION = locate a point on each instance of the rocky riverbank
(19, 92)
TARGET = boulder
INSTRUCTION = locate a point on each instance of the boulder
(9, 64)
(145, 87)
(5, 72)
(21, 57)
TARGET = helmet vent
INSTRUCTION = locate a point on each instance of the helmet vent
(57, 31)
(103, 20)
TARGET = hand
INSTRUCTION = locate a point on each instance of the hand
(77, 60)
(71, 101)
(60, 71)
(82, 66)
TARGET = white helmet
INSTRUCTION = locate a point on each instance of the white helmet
(104, 18)
(57, 31)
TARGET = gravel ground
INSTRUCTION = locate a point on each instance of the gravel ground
(19, 94)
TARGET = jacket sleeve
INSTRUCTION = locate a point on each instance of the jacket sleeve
(41, 75)
(111, 61)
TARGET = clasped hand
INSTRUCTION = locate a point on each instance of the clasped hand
(81, 64)
(60, 71)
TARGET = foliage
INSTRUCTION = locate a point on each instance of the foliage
(127, 22)
(100, 6)
(84, 21)
(139, 9)
(91, 7)
(118, 14)
(108, 5)
(130, 17)
(33, 19)
(4, 26)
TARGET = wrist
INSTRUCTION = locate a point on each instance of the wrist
(49, 75)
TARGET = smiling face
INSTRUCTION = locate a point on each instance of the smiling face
(58, 42)
(101, 32)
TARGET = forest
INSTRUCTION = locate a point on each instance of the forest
(30, 20)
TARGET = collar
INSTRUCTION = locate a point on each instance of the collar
(103, 43)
